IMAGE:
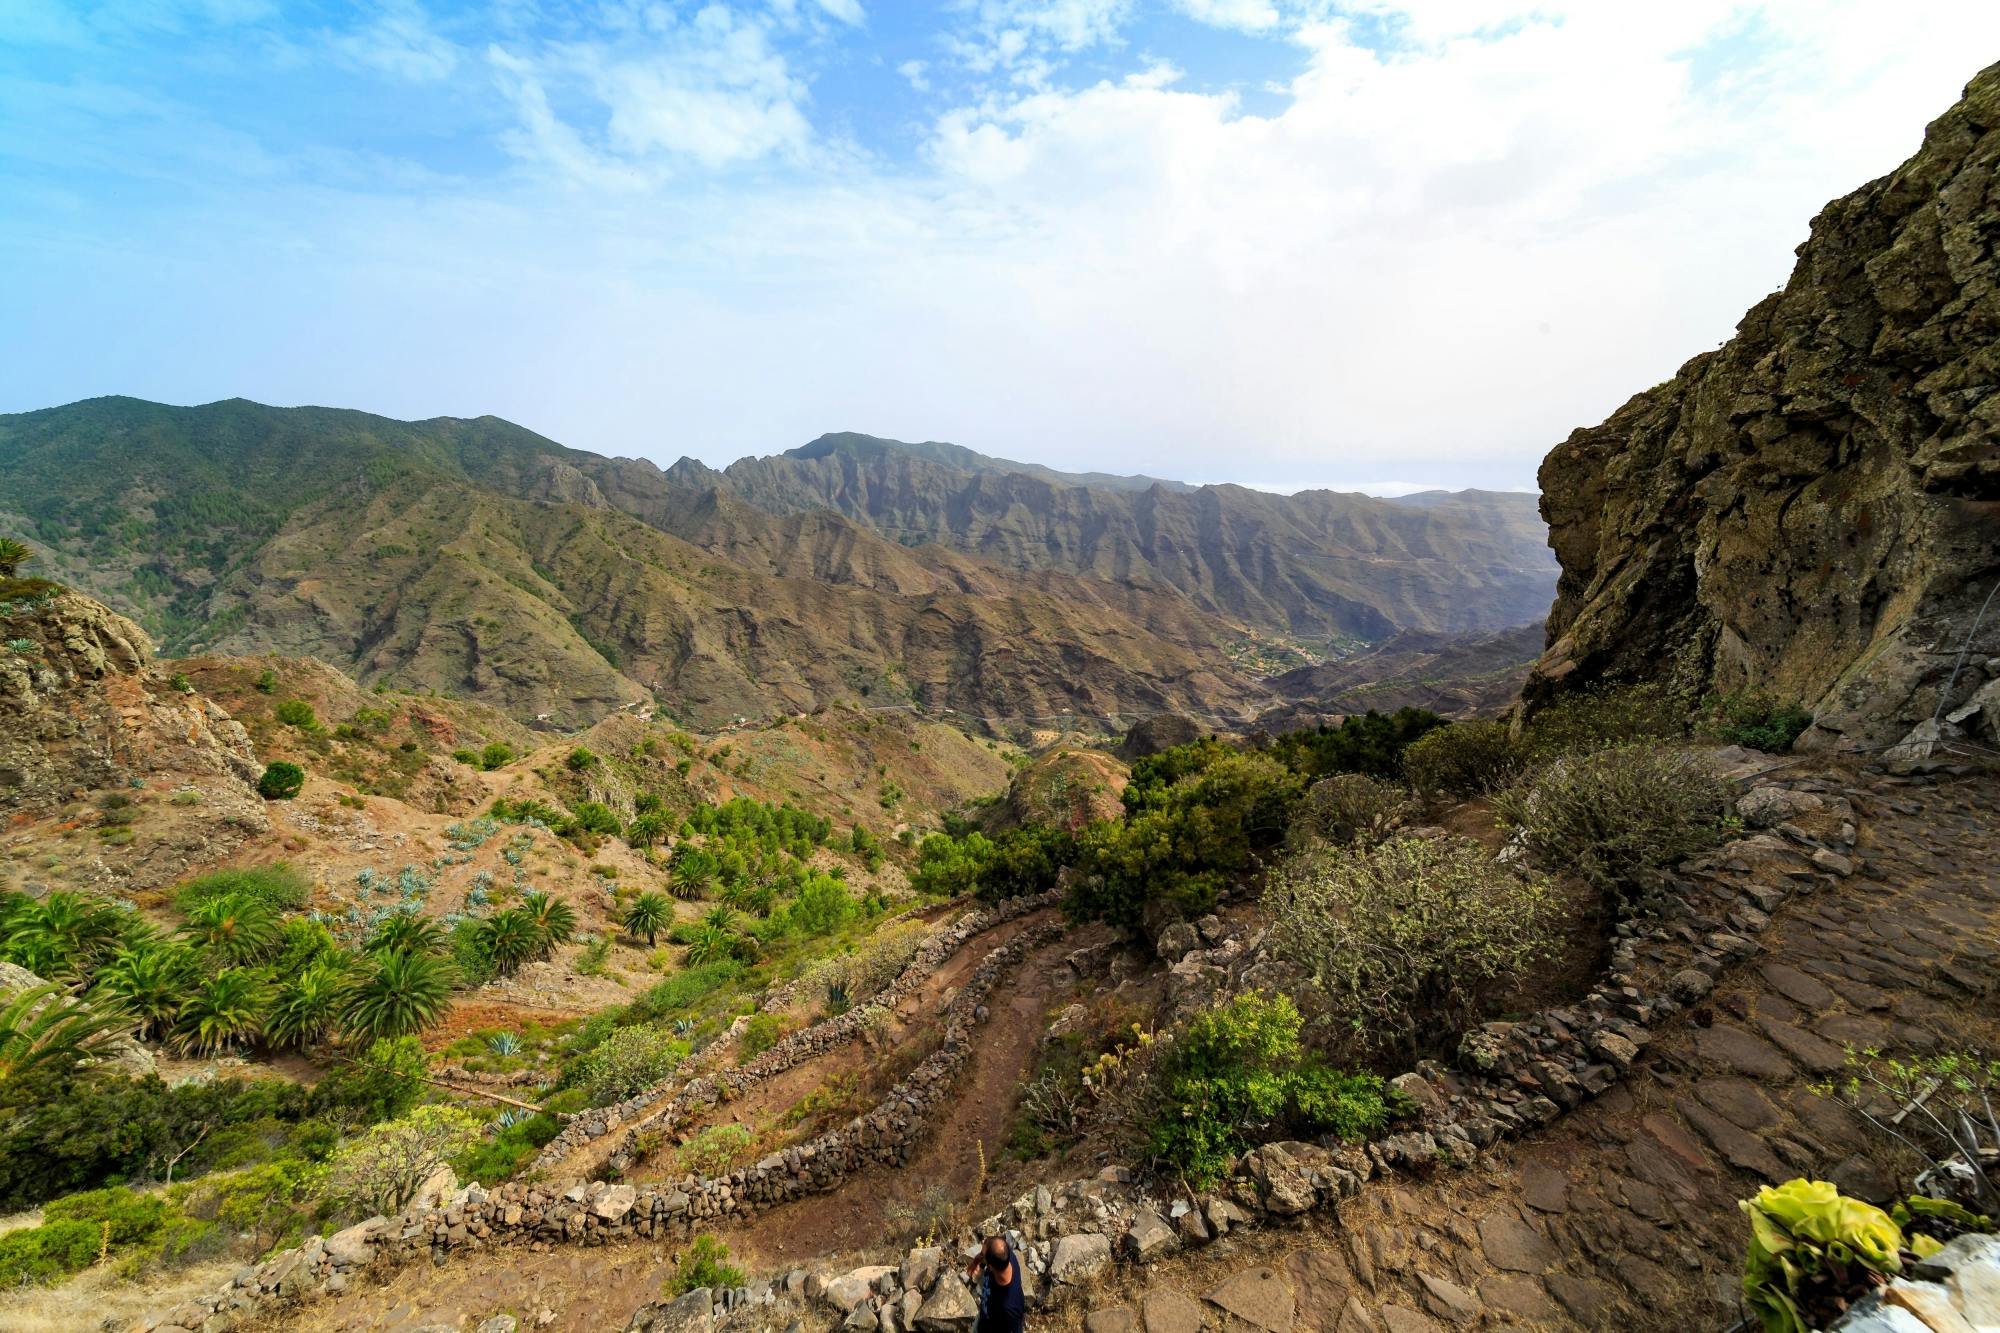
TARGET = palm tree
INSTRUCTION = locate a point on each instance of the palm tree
(646, 829)
(648, 915)
(240, 928)
(307, 1005)
(510, 938)
(147, 983)
(407, 932)
(64, 936)
(711, 940)
(14, 554)
(399, 994)
(554, 918)
(224, 1011)
(44, 1032)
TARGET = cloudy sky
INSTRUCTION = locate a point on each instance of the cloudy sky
(1350, 244)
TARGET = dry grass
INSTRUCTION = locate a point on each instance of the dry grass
(98, 1298)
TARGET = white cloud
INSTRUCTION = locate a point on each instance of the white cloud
(1246, 15)
(914, 73)
(399, 41)
(1425, 263)
(847, 11)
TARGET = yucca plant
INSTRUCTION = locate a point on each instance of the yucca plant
(553, 917)
(45, 1033)
(407, 932)
(648, 915)
(147, 984)
(307, 1006)
(237, 928)
(222, 1012)
(396, 995)
(510, 938)
(14, 554)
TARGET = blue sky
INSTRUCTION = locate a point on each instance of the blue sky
(1283, 242)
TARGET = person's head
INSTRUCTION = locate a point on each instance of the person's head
(998, 1252)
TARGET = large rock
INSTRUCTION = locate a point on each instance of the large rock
(1078, 1258)
(1257, 1296)
(1808, 512)
(692, 1313)
(949, 1309)
(853, 1287)
(1149, 1236)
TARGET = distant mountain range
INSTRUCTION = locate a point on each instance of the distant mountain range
(1316, 565)
(477, 558)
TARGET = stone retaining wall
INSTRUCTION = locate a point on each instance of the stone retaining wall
(594, 1213)
(588, 1127)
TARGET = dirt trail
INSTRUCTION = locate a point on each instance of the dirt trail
(759, 1109)
(857, 1213)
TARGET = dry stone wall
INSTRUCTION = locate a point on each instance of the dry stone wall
(596, 1213)
(643, 1111)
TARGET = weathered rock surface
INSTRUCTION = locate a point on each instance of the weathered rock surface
(1810, 511)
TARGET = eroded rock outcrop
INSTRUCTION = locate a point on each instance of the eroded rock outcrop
(1813, 510)
(81, 707)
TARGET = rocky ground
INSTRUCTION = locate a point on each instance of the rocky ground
(1620, 1213)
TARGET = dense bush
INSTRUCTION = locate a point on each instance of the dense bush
(1753, 719)
(705, 1264)
(1372, 743)
(1463, 759)
(1237, 1075)
(1619, 817)
(1020, 861)
(1345, 808)
(297, 713)
(381, 1170)
(1409, 942)
(281, 781)
(1205, 815)
(630, 1060)
(714, 1150)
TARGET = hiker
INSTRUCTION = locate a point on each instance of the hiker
(998, 1272)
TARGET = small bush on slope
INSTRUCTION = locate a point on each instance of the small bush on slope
(1460, 760)
(1343, 809)
(1409, 940)
(1619, 817)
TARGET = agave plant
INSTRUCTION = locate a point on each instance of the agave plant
(553, 917)
(44, 1032)
(223, 1012)
(147, 983)
(396, 995)
(407, 932)
(507, 1119)
(308, 1005)
(683, 1027)
(504, 1044)
(238, 928)
(14, 554)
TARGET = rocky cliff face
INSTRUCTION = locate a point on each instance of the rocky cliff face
(1813, 511)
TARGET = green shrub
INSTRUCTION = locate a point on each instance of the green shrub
(596, 817)
(1603, 716)
(760, 1034)
(276, 885)
(1753, 719)
(706, 1264)
(1461, 760)
(1372, 743)
(1619, 817)
(580, 760)
(1238, 1075)
(1345, 808)
(267, 681)
(629, 1061)
(282, 781)
(1201, 821)
(496, 754)
(1409, 942)
(714, 1150)
(297, 713)
(48, 1252)
(497, 1157)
